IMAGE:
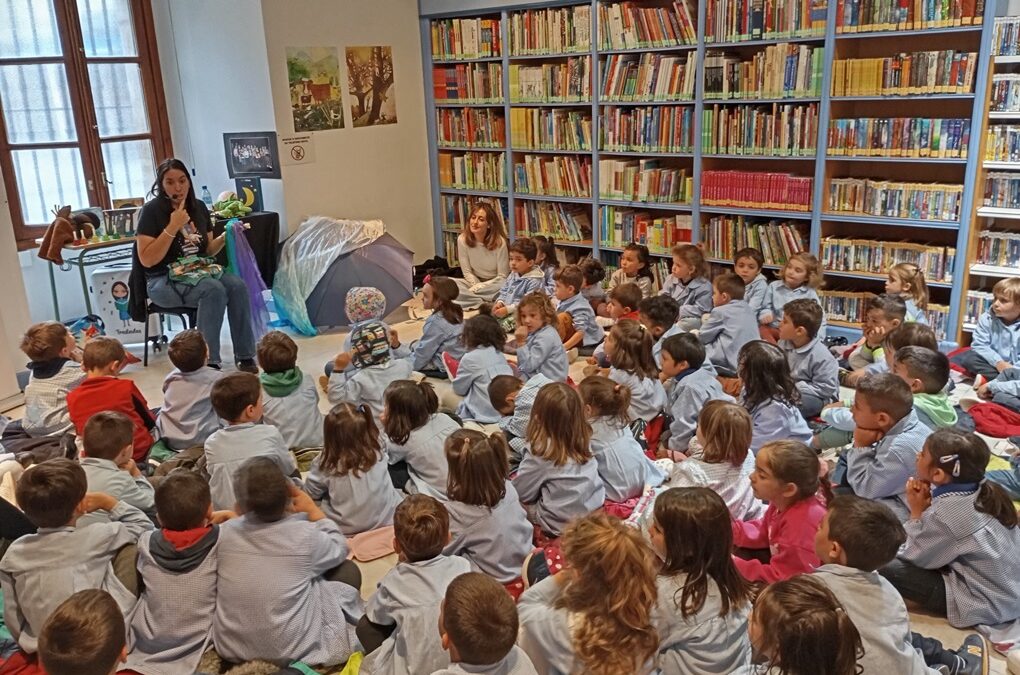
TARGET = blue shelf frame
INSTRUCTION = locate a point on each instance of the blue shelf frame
(436, 9)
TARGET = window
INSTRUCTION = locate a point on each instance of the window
(82, 115)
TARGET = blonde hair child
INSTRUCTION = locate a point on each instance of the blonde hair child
(906, 280)
(800, 277)
(689, 285)
(539, 348)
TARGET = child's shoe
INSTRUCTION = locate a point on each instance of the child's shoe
(451, 364)
(571, 354)
(972, 658)
(324, 383)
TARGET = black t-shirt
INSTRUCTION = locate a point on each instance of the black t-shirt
(154, 218)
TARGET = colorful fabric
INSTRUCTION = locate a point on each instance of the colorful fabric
(364, 303)
(995, 420)
(281, 384)
(370, 345)
(192, 269)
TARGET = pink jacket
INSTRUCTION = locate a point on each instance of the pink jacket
(790, 537)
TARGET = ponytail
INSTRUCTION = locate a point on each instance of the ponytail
(994, 501)
(963, 456)
(444, 292)
(478, 467)
(607, 398)
(409, 405)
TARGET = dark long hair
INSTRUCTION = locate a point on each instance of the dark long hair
(191, 203)
(963, 456)
(350, 441)
(409, 405)
(765, 374)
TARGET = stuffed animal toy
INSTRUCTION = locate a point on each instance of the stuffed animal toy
(67, 228)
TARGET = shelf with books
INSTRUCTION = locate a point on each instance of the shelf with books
(931, 33)
(660, 129)
(467, 83)
(466, 39)
(550, 130)
(455, 209)
(470, 170)
(648, 77)
(845, 309)
(552, 175)
(723, 236)
(780, 70)
(782, 131)
(899, 138)
(734, 21)
(564, 81)
(547, 30)
(977, 303)
(666, 181)
(628, 26)
(1006, 38)
(923, 202)
(755, 190)
(764, 213)
(566, 223)
(470, 128)
(619, 226)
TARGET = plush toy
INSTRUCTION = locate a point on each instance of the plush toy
(66, 229)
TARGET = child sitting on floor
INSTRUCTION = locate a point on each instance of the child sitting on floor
(995, 343)
(689, 285)
(813, 367)
(547, 261)
(363, 304)
(54, 364)
(576, 320)
(594, 273)
(415, 436)
(730, 325)
(926, 372)
(441, 332)
(635, 268)
(85, 634)
(748, 264)
(107, 444)
(800, 277)
(883, 315)
(907, 281)
(629, 350)
(623, 304)
(484, 340)
(691, 384)
(187, 418)
(290, 401)
(524, 278)
(659, 314)
(770, 395)
(514, 399)
(539, 348)
(374, 369)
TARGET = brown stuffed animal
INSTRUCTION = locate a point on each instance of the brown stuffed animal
(65, 229)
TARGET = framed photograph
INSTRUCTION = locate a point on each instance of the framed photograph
(252, 154)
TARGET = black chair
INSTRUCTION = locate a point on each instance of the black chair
(187, 315)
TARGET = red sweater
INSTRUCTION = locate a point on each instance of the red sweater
(790, 537)
(97, 394)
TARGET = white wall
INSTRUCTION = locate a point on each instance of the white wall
(14, 315)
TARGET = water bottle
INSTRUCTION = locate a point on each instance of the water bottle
(207, 197)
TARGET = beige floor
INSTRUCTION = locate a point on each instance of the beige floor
(313, 352)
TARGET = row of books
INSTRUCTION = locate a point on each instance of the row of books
(1006, 36)
(1005, 95)
(566, 222)
(550, 129)
(648, 129)
(644, 180)
(627, 25)
(557, 82)
(934, 72)
(468, 83)
(465, 39)
(551, 30)
(863, 16)
(450, 248)
(756, 190)
(738, 20)
(876, 257)
(1002, 143)
(471, 127)
(899, 137)
(776, 239)
(553, 175)
(892, 199)
(978, 303)
(649, 77)
(851, 306)
(1002, 190)
(779, 130)
(1001, 249)
(457, 209)
(472, 171)
(782, 70)
(620, 226)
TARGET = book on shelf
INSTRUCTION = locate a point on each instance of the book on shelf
(850, 306)
(776, 239)
(776, 130)
(621, 226)
(472, 171)
(1001, 249)
(450, 248)
(876, 257)
(1005, 96)
(550, 30)
(553, 175)
(899, 137)
(934, 72)
(559, 82)
(978, 302)
(893, 199)
(648, 77)
(1002, 143)
(864, 16)
(644, 180)
(550, 129)
(647, 129)
(468, 83)
(782, 70)
(471, 127)
(1006, 36)
(563, 222)
(1002, 190)
(457, 209)
(465, 39)
(626, 25)
(740, 20)
(756, 190)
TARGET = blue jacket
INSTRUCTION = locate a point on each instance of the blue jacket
(437, 336)
(689, 394)
(774, 420)
(755, 294)
(474, 374)
(814, 369)
(543, 352)
(583, 317)
(694, 297)
(778, 294)
(728, 328)
(995, 341)
(516, 287)
(880, 472)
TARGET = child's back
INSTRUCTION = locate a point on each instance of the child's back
(108, 466)
(624, 468)
(731, 324)
(367, 384)
(187, 418)
(53, 375)
(777, 420)
(691, 385)
(423, 452)
(291, 405)
(474, 373)
(647, 395)
(230, 447)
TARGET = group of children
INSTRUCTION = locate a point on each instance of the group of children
(668, 511)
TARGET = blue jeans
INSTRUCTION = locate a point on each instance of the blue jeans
(213, 298)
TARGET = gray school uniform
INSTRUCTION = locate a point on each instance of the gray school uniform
(409, 596)
(46, 411)
(647, 395)
(296, 415)
(560, 493)
(39, 571)
(687, 397)
(779, 294)
(774, 420)
(230, 447)
(474, 374)
(170, 626)
(517, 286)
(272, 600)
(880, 472)
(694, 297)
(495, 541)
(425, 455)
(624, 468)
(706, 643)
(877, 609)
(675, 329)
(437, 336)
(543, 352)
(514, 663)
(814, 369)
(914, 313)
(105, 476)
(583, 318)
(755, 295)
(728, 328)
(187, 417)
(546, 631)
(356, 503)
(643, 282)
(516, 425)
(366, 385)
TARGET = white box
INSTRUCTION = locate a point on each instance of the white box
(109, 286)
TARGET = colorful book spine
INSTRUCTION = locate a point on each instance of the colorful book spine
(899, 137)
(849, 308)
(454, 39)
(1006, 37)
(891, 199)
(1001, 249)
(776, 239)
(648, 77)
(779, 130)
(740, 20)
(1002, 190)
(450, 248)
(552, 30)
(779, 71)
(564, 222)
(550, 129)
(1002, 143)
(472, 171)
(468, 83)
(978, 302)
(470, 128)
(865, 256)
(626, 25)
(553, 175)
(756, 190)
(1005, 96)
(865, 16)
(457, 209)
(644, 180)
(620, 226)
(905, 74)
(561, 82)
(648, 129)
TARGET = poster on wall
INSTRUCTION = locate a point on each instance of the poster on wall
(313, 74)
(370, 85)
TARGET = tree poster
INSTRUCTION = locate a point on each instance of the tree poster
(370, 85)
(313, 75)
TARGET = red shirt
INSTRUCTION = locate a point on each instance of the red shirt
(790, 537)
(97, 394)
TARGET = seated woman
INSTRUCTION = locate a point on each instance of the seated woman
(173, 225)
(483, 255)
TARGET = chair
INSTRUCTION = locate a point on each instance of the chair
(187, 315)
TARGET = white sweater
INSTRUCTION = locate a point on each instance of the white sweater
(480, 264)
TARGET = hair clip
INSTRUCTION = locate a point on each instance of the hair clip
(946, 459)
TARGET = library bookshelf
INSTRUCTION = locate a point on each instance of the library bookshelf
(800, 128)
